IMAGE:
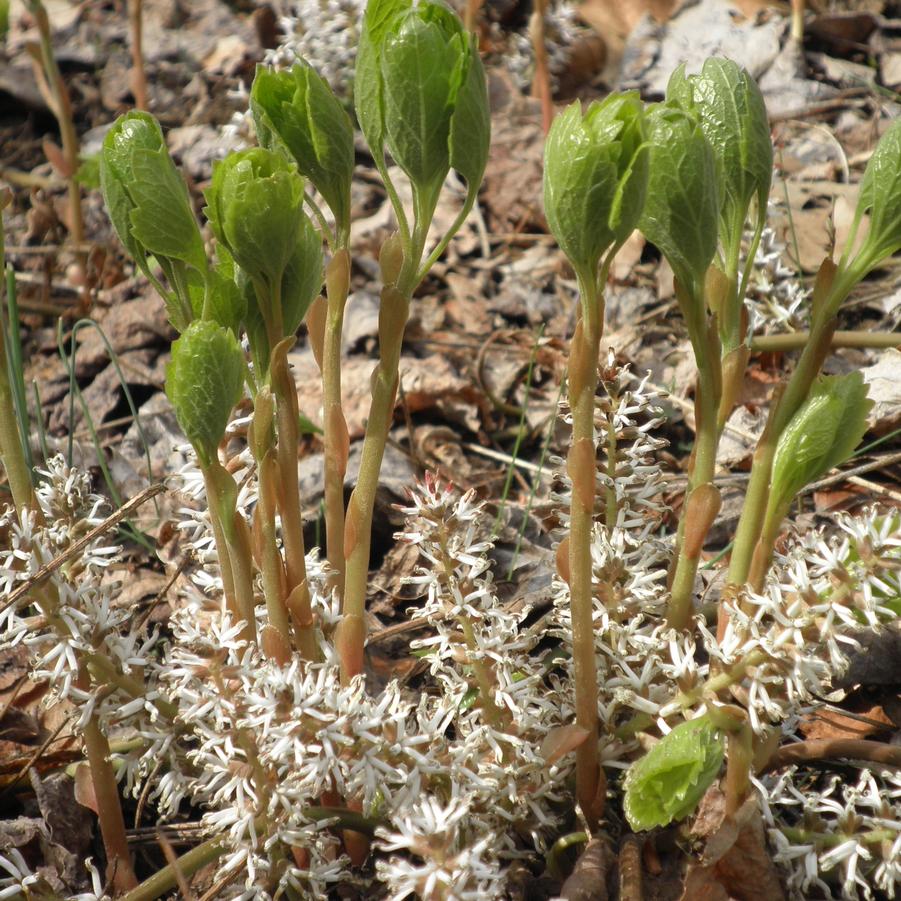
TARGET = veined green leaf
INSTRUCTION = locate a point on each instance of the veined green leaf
(595, 177)
(733, 117)
(681, 210)
(880, 197)
(470, 128)
(422, 70)
(228, 305)
(204, 382)
(378, 19)
(296, 110)
(669, 781)
(159, 194)
(146, 198)
(303, 277)
(255, 206)
(822, 434)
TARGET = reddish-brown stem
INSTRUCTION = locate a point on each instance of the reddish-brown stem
(109, 807)
(137, 76)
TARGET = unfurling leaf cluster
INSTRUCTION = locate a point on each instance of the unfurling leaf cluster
(595, 177)
(667, 783)
(820, 436)
(420, 95)
(204, 381)
(150, 209)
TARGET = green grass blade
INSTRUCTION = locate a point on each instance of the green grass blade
(13, 343)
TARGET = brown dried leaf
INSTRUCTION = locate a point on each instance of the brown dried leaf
(84, 788)
(733, 854)
(560, 741)
(57, 158)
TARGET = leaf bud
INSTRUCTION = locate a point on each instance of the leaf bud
(681, 211)
(595, 177)
(255, 207)
(822, 434)
(733, 117)
(204, 381)
(296, 110)
(420, 92)
(669, 781)
(879, 198)
(148, 203)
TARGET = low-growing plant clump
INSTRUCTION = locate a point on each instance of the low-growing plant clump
(634, 702)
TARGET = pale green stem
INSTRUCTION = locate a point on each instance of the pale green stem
(730, 314)
(222, 552)
(12, 454)
(751, 256)
(751, 521)
(362, 502)
(271, 563)
(435, 255)
(166, 879)
(739, 763)
(799, 340)
(289, 507)
(483, 672)
(702, 472)
(234, 560)
(393, 314)
(703, 459)
(12, 451)
(320, 218)
(103, 671)
(484, 676)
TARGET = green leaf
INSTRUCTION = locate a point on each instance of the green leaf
(595, 177)
(422, 68)
(880, 197)
(821, 435)
(681, 210)
(420, 94)
(303, 277)
(296, 110)
(734, 120)
(204, 381)
(146, 198)
(669, 781)
(161, 218)
(132, 129)
(378, 19)
(255, 206)
(228, 306)
(470, 128)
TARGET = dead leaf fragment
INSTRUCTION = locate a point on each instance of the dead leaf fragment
(560, 741)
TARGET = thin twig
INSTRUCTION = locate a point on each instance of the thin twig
(847, 474)
(832, 748)
(75, 549)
